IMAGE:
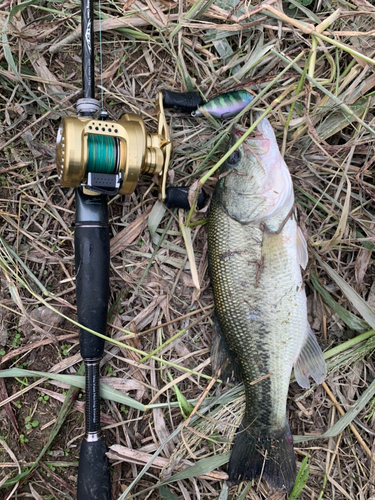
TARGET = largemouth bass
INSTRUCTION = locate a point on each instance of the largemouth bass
(256, 252)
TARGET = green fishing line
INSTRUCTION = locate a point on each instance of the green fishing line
(102, 155)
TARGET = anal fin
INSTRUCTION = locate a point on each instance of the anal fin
(310, 362)
(221, 357)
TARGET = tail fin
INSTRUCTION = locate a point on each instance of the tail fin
(265, 453)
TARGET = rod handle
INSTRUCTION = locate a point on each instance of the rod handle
(94, 481)
(187, 101)
(92, 284)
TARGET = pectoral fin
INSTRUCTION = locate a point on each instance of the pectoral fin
(302, 254)
(310, 362)
(222, 358)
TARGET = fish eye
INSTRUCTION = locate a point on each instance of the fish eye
(234, 158)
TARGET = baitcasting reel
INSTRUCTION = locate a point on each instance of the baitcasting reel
(107, 157)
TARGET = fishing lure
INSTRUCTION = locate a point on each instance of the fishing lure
(225, 106)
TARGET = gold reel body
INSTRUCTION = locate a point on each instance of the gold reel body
(134, 151)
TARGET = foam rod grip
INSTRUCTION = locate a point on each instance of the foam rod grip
(94, 481)
(92, 284)
(188, 101)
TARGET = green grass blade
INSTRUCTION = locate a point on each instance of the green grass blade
(224, 492)
(350, 319)
(362, 307)
(344, 421)
(200, 468)
(349, 344)
(185, 407)
(76, 381)
(301, 480)
(166, 494)
(336, 100)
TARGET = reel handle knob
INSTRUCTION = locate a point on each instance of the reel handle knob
(187, 101)
(94, 481)
(177, 197)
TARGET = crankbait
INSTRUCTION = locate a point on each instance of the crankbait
(225, 106)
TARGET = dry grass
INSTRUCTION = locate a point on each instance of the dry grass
(322, 111)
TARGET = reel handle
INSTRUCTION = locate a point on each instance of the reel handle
(187, 101)
(177, 197)
(94, 481)
(91, 240)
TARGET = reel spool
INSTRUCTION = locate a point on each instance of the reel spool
(108, 157)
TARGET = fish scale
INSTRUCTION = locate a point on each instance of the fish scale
(255, 251)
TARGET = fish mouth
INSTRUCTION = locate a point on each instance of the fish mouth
(255, 143)
(238, 130)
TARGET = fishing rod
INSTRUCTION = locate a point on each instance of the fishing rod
(100, 158)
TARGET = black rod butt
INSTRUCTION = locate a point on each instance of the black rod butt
(94, 481)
